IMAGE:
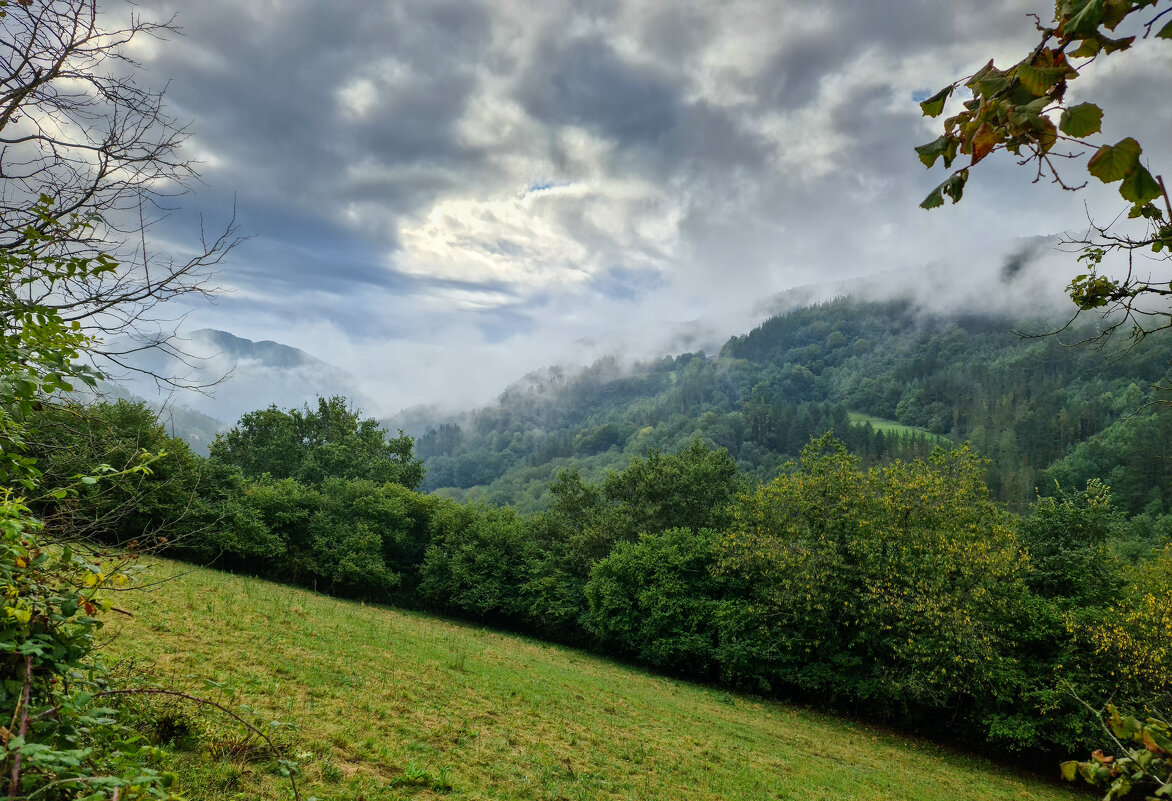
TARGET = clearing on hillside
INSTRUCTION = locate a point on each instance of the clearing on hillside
(893, 427)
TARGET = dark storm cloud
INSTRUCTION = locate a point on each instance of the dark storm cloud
(264, 90)
(585, 82)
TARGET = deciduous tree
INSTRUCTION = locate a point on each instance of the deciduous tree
(88, 158)
(312, 445)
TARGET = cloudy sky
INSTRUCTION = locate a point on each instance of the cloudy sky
(443, 196)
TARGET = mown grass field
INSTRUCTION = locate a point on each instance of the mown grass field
(892, 427)
(378, 694)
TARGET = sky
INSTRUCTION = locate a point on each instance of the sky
(441, 197)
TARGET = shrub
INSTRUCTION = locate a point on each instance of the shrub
(656, 599)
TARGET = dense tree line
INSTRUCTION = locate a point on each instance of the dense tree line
(901, 591)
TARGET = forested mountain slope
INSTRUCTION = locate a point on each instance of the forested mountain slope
(1024, 403)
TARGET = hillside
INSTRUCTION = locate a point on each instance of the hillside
(888, 378)
(378, 696)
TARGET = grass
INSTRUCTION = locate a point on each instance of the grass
(393, 705)
(892, 427)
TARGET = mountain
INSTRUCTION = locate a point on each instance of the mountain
(888, 378)
(238, 375)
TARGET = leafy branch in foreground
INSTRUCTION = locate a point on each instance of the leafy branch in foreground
(83, 140)
(1142, 758)
(1022, 110)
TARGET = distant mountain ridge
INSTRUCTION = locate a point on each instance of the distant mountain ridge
(240, 375)
(889, 378)
(271, 353)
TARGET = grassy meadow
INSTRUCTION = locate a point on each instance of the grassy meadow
(892, 427)
(393, 705)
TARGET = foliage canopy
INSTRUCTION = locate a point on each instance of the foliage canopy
(312, 445)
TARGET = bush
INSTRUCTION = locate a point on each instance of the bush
(656, 599)
(478, 559)
(163, 504)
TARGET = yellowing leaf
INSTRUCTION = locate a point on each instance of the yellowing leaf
(1037, 80)
(984, 140)
(1048, 134)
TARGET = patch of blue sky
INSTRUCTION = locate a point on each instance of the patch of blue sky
(544, 186)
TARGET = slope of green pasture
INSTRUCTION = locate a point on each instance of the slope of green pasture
(377, 694)
(892, 427)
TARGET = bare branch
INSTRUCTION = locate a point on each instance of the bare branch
(77, 128)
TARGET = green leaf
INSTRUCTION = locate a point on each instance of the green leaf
(1037, 80)
(1086, 21)
(993, 83)
(1114, 45)
(1116, 11)
(934, 200)
(1115, 162)
(1140, 186)
(1081, 120)
(1027, 115)
(1126, 728)
(954, 186)
(934, 150)
(935, 104)
(1165, 32)
(1069, 770)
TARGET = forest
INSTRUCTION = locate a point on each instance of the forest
(891, 381)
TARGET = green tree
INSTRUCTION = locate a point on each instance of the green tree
(82, 148)
(477, 561)
(312, 445)
(658, 599)
(57, 739)
(69, 439)
(894, 586)
(1067, 541)
(691, 488)
(1022, 110)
